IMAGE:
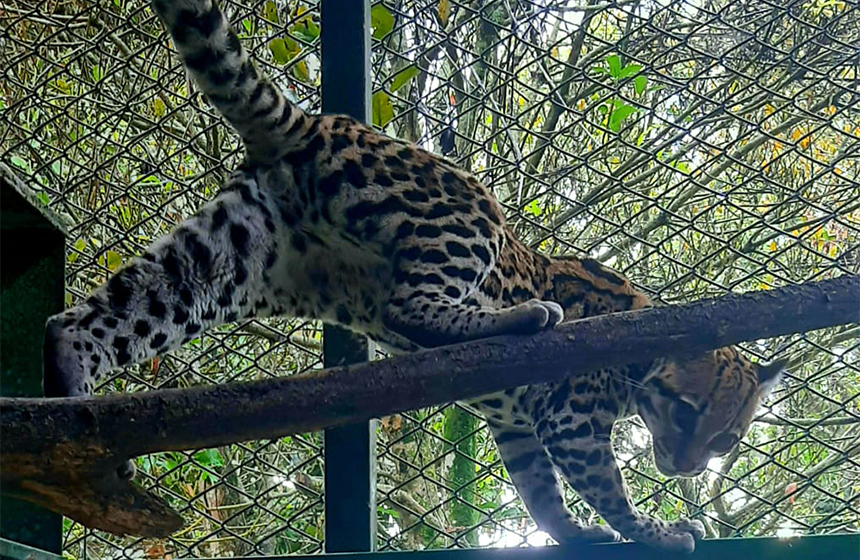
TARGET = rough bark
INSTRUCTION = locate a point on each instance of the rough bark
(63, 453)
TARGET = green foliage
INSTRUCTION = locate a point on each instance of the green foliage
(306, 29)
(381, 21)
(381, 109)
(686, 174)
(403, 77)
(281, 52)
(533, 208)
(270, 12)
(615, 109)
(459, 428)
(20, 163)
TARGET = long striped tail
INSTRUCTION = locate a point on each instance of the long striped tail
(211, 51)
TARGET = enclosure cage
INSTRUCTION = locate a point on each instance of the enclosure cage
(699, 146)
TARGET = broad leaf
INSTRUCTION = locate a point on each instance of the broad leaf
(403, 77)
(614, 65)
(381, 21)
(383, 111)
(209, 458)
(114, 260)
(279, 50)
(270, 11)
(618, 116)
(629, 70)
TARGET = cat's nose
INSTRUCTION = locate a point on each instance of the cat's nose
(688, 467)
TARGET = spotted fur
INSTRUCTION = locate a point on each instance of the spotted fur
(329, 220)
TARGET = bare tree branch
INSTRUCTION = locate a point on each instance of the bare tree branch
(64, 453)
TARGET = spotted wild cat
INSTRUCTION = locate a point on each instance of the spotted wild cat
(327, 219)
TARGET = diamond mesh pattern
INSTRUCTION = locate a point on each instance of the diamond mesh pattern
(699, 147)
(100, 115)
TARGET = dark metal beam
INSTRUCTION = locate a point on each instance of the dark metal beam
(12, 550)
(818, 547)
(32, 257)
(350, 451)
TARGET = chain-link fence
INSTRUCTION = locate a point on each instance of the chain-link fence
(699, 146)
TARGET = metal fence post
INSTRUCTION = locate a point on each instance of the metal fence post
(32, 256)
(350, 458)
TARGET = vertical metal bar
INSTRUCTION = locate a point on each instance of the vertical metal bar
(350, 458)
(32, 256)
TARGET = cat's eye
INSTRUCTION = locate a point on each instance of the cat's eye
(723, 443)
(685, 416)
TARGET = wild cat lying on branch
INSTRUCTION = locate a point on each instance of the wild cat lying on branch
(329, 220)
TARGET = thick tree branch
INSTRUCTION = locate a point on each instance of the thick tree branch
(63, 453)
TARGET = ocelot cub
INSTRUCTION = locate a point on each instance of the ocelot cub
(327, 219)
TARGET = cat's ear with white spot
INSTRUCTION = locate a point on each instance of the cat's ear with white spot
(769, 375)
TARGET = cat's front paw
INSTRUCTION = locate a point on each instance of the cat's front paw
(573, 533)
(678, 536)
(550, 313)
(598, 534)
(691, 526)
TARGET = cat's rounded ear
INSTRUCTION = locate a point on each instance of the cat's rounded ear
(770, 374)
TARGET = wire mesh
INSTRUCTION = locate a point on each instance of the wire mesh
(99, 115)
(700, 147)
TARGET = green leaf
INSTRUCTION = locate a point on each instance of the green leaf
(97, 73)
(279, 50)
(169, 461)
(629, 70)
(599, 69)
(639, 84)
(43, 198)
(618, 116)
(603, 109)
(614, 65)
(270, 12)
(63, 86)
(533, 208)
(306, 29)
(79, 246)
(114, 260)
(20, 163)
(209, 458)
(383, 111)
(382, 510)
(403, 77)
(381, 21)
